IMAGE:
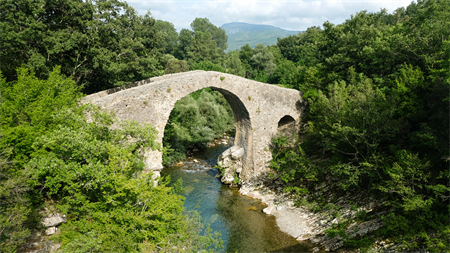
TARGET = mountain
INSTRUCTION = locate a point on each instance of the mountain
(240, 33)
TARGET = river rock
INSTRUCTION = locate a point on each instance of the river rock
(237, 153)
(50, 230)
(231, 160)
(269, 209)
(55, 247)
(53, 220)
(42, 247)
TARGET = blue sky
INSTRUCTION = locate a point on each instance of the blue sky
(287, 14)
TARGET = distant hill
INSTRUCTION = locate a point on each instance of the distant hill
(240, 33)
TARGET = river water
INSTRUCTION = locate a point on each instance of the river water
(239, 219)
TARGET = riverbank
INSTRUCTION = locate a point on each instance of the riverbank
(312, 219)
(306, 225)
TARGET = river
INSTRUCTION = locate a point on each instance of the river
(239, 219)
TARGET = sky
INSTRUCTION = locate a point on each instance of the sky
(287, 14)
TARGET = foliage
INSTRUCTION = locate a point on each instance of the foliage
(95, 174)
(176, 66)
(89, 170)
(354, 120)
(207, 66)
(285, 73)
(220, 168)
(170, 34)
(15, 207)
(196, 119)
(203, 48)
(245, 54)
(409, 178)
(377, 88)
(302, 49)
(218, 34)
(188, 240)
(184, 42)
(290, 163)
(101, 44)
(377, 118)
(234, 65)
(27, 106)
(262, 59)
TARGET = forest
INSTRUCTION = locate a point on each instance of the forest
(377, 120)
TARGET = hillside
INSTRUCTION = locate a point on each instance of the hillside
(240, 33)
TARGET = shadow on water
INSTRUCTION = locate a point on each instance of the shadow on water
(240, 220)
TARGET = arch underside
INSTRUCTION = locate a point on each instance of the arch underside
(241, 118)
(287, 126)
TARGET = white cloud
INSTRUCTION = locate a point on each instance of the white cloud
(288, 14)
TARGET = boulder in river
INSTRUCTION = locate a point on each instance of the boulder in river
(231, 161)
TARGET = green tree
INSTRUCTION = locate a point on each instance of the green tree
(175, 66)
(170, 33)
(218, 34)
(245, 55)
(15, 207)
(203, 48)
(286, 73)
(234, 65)
(262, 59)
(196, 119)
(27, 106)
(184, 43)
(303, 49)
(377, 87)
(311, 79)
(100, 44)
(95, 175)
(355, 120)
(427, 30)
(207, 66)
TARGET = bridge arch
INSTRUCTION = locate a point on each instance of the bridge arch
(244, 134)
(288, 127)
(257, 108)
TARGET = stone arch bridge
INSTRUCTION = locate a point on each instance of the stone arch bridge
(260, 111)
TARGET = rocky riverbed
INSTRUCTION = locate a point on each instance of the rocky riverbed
(305, 225)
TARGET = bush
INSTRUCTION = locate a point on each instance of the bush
(207, 66)
(176, 66)
(94, 174)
